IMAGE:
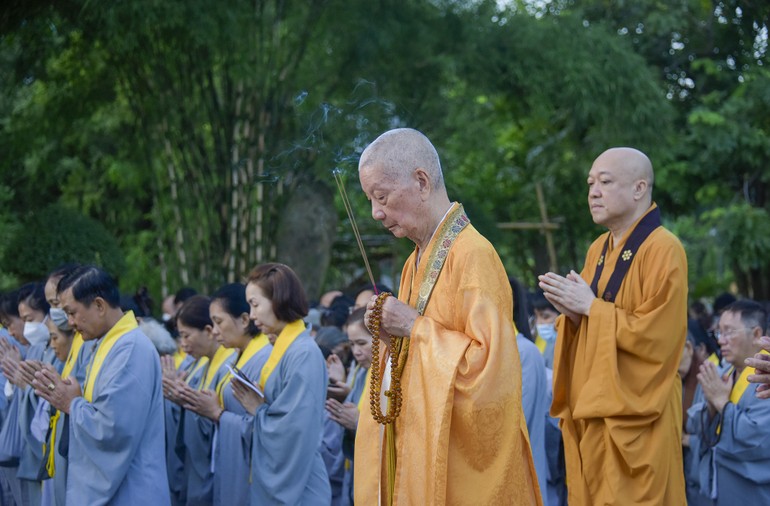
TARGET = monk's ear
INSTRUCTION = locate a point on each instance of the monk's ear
(640, 188)
(422, 178)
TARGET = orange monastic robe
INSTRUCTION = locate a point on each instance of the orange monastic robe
(616, 387)
(461, 437)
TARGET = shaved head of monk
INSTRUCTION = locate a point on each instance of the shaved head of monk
(620, 188)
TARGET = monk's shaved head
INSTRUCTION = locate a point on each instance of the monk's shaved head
(620, 188)
(399, 152)
(629, 162)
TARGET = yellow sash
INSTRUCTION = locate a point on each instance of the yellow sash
(217, 360)
(541, 344)
(72, 358)
(126, 324)
(740, 385)
(282, 343)
(179, 357)
(50, 465)
(199, 364)
(252, 348)
(714, 359)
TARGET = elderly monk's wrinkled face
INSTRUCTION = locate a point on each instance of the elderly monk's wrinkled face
(610, 191)
(396, 201)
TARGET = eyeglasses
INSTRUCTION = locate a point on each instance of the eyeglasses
(730, 333)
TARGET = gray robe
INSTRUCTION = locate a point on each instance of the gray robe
(32, 449)
(116, 452)
(60, 461)
(349, 437)
(734, 465)
(172, 413)
(534, 401)
(287, 467)
(232, 456)
(197, 433)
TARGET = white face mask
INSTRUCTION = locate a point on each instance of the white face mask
(59, 318)
(36, 332)
(546, 330)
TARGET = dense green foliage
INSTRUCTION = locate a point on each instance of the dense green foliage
(54, 236)
(196, 132)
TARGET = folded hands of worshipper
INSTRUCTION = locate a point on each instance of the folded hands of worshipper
(345, 414)
(28, 368)
(11, 357)
(172, 388)
(337, 388)
(172, 379)
(715, 389)
(203, 402)
(49, 385)
(168, 368)
(249, 399)
(761, 362)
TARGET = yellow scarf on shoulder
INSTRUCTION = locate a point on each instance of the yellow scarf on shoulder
(72, 357)
(217, 360)
(740, 385)
(125, 325)
(287, 336)
(252, 349)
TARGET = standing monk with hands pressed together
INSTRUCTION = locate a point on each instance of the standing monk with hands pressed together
(616, 387)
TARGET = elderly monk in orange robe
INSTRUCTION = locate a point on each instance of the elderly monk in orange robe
(616, 387)
(461, 437)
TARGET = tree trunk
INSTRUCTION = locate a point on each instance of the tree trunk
(306, 231)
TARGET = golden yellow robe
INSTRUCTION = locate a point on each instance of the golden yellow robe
(616, 387)
(461, 437)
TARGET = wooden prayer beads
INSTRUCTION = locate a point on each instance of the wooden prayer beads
(375, 386)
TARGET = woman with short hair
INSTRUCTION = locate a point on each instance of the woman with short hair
(287, 467)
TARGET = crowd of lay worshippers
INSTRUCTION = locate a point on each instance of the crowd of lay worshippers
(213, 445)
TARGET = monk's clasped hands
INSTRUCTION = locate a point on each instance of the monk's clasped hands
(570, 294)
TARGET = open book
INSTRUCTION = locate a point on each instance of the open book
(240, 376)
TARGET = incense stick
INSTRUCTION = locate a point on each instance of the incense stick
(349, 209)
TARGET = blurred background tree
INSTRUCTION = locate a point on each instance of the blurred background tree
(203, 135)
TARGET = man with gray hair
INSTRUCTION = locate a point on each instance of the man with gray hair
(449, 376)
